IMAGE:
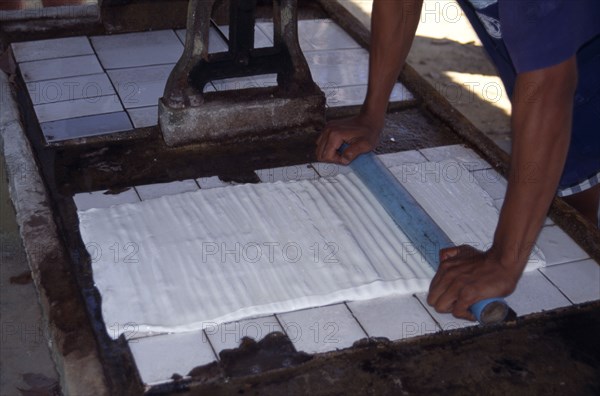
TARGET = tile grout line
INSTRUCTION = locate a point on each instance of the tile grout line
(79, 116)
(123, 108)
(86, 98)
(179, 38)
(438, 324)
(556, 286)
(138, 194)
(214, 351)
(63, 77)
(58, 57)
(357, 321)
(281, 325)
(138, 66)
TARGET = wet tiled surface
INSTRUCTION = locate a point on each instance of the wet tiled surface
(150, 191)
(70, 88)
(558, 247)
(535, 293)
(140, 86)
(569, 277)
(211, 182)
(77, 108)
(394, 317)
(159, 357)
(144, 116)
(229, 335)
(49, 69)
(216, 43)
(138, 49)
(322, 329)
(288, 173)
(579, 281)
(103, 199)
(86, 126)
(53, 48)
(76, 77)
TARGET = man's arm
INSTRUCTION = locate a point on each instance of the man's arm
(541, 124)
(393, 27)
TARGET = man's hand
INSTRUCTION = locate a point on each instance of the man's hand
(393, 27)
(360, 133)
(467, 275)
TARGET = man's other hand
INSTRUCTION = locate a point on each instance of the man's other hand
(360, 133)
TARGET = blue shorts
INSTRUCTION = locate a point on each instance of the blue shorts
(582, 169)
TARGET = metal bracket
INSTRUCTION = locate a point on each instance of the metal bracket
(188, 115)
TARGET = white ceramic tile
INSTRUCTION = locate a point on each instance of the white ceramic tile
(316, 35)
(558, 247)
(77, 108)
(287, 173)
(144, 116)
(138, 49)
(395, 317)
(579, 281)
(70, 88)
(215, 41)
(228, 335)
(402, 158)
(236, 83)
(265, 80)
(465, 156)
(534, 293)
(445, 321)
(328, 170)
(338, 96)
(211, 182)
(321, 329)
(141, 86)
(59, 68)
(159, 357)
(339, 68)
(260, 38)
(323, 34)
(99, 199)
(80, 127)
(53, 48)
(492, 182)
(150, 191)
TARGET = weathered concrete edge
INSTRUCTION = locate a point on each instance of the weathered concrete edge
(80, 371)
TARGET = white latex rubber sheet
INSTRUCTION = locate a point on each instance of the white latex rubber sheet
(184, 262)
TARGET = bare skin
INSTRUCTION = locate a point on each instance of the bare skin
(541, 125)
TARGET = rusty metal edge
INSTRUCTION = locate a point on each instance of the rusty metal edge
(74, 348)
(584, 233)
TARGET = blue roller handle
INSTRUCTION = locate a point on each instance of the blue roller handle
(418, 226)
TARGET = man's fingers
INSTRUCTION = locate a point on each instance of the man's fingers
(354, 150)
(333, 143)
(445, 277)
(466, 297)
(448, 253)
(452, 295)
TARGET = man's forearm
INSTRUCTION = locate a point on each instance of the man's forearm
(393, 26)
(541, 123)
